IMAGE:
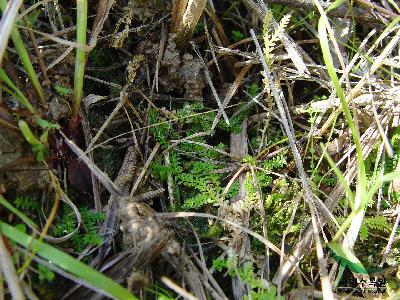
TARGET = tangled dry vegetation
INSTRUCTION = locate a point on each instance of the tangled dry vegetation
(239, 149)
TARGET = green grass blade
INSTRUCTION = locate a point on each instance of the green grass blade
(380, 38)
(335, 4)
(81, 26)
(348, 257)
(326, 53)
(67, 263)
(335, 80)
(381, 180)
(16, 212)
(395, 5)
(340, 176)
(23, 55)
(27, 133)
(354, 220)
(16, 92)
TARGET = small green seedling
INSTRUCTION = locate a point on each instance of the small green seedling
(253, 90)
(45, 274)
(237, 35)
(37, 145)
(44, 124)
(62, 90)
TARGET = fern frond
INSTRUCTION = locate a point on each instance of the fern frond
(271, 38)
(267, 37)
(281, 27)
(378, 223)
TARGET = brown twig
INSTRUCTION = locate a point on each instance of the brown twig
(39, 56)
(103, 9)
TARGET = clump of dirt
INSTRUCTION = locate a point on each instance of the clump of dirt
(185, 73)
(180, 74)
(58, 109)
(10, 146)
(18, 172)
(142, 9)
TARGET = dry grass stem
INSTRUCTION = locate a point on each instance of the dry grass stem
(9, 272)
(185, 25)
(179, 290)
(7, 23)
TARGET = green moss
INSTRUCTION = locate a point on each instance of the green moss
(88, 235)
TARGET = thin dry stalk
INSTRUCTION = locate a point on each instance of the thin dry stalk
(28, 291)
(259, 237)
(7, 267)
(39, 56)
(361, 14)
(159, 58)
(187, 140)
(219, 29)
(151, 126)
(7, 24)
(208, 77)
(187, 23)
(391, 240)
(326, 285)
(116, 85)
(232, 180)
(103, 177)
(60, 58)
(56, 39)
(210, 44)
(170, 180)
(178, 10)
(230, 93)
(213, 287)
(131, 123)
(144, 170)
(123, 98)
(88, 138)
(31, 8)
(356, 90)
(103, 9)
(177, 289)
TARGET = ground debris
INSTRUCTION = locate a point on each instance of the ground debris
(181, 73)
(18, 173)
(139, 224)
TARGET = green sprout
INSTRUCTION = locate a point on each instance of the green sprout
(61, 90)
(38, 147)
(81, 25)
(237, 35)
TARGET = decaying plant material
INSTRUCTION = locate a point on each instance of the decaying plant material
(186, 15)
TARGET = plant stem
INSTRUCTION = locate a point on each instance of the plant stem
(187, 23)
(81, 26)
(7, 23)
(26, 61)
